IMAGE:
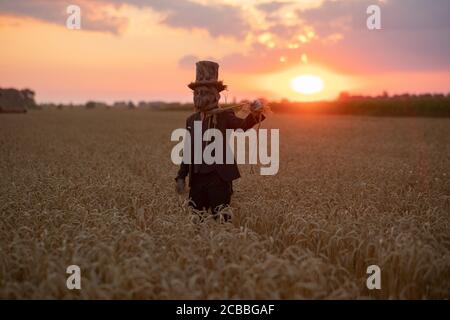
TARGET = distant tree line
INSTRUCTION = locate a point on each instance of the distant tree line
(425, 105)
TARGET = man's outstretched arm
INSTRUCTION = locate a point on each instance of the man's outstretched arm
(234, 122)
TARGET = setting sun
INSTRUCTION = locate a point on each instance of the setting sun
(307, 84)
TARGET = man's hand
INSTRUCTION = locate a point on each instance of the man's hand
(179, 187)
(256, 107)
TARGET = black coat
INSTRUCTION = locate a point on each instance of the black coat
(225, 120)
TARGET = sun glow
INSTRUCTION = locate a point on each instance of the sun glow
(307, 84)
(303, 82)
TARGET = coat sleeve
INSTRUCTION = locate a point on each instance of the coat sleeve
(184, 167)
(234, 122)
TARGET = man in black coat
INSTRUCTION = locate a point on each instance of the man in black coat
(211, 184)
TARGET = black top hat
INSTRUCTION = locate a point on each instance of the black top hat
(207, 74)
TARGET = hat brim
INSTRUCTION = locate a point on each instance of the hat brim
(218, 84)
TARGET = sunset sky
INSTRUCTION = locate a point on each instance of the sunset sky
(146, 50)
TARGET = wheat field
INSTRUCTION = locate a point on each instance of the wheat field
(95, 188)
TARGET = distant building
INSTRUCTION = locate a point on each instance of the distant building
(16, 101)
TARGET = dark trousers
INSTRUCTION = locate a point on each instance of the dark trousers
(209, 191)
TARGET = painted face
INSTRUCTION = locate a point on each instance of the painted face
(205, 97)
